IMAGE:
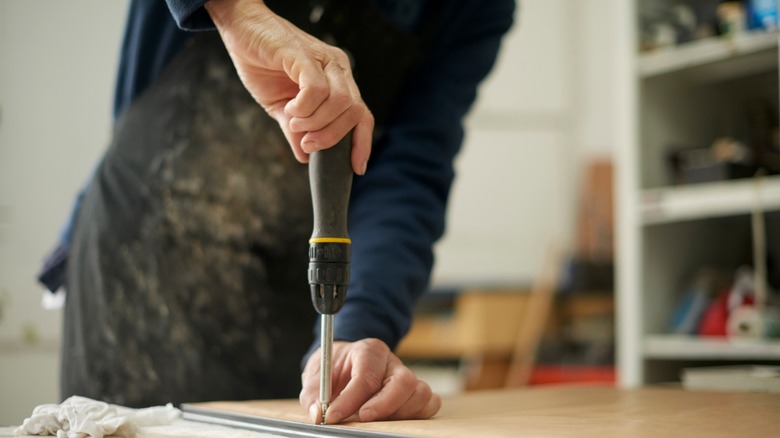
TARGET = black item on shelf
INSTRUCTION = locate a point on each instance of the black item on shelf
(707, 14)
(696, 165)
(586, 275)
(761, 127)
(773, 270)
(718, 172)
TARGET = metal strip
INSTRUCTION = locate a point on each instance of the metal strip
(276, 426)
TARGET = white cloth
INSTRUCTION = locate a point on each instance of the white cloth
(81, 417)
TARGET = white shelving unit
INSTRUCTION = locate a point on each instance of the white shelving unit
(679, 347)
(707, 52)
(687, 95)
(704, 201)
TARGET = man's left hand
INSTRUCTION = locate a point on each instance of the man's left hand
(369, 383)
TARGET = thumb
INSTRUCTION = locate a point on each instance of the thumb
(309, 396)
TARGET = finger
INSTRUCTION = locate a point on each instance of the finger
(342, 95)
(308, 399)
(420, 403)
(309, 396)
(398, 387)
(293, 138)
(313, 408)
(318, 140)
(313, 87)
(369, 367)
(354, 418)
(362, 137)
(431, 408)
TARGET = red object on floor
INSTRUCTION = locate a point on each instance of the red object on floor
(549, 374)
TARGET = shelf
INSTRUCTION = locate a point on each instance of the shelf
(688, 347)
(707, 52)
(707, 200)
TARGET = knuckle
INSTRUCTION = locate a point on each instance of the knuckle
(342, 100)
(373, 344)
(407, 379)
(317, 52)
(308, 387)
(368, 116)
(364, 117)
(341, 57)
(359, 109)
(319, 90)
(307, 397)
(423, 391)
(373, 382)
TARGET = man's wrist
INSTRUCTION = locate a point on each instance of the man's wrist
(223, 12)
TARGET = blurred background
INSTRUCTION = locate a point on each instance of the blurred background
(605, 197)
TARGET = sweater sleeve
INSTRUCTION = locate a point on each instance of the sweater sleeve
(398, 208)
(190, 14)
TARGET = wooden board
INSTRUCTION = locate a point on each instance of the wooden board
(580, 411)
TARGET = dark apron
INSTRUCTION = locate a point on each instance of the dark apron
(187, 274)
(187, 278)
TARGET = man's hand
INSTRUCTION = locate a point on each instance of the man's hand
(302, 82)
(369, 383)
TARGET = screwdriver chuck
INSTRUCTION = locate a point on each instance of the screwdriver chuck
(328, 275)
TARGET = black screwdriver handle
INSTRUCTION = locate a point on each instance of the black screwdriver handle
(330, 177)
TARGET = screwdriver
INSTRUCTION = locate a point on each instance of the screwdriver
(330, 177)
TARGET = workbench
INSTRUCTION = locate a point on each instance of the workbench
(558, 411)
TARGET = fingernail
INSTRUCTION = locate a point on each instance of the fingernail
(310, 146)
(367, 414)
(313, 412)
(364, 167)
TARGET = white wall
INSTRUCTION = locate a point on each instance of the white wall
(510, 199)
(57, 64)
(541, 114)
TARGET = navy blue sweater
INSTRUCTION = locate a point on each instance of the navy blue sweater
(397, 209)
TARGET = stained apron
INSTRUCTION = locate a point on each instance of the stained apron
(187, 278)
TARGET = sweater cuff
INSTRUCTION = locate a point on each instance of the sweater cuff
(190, 14)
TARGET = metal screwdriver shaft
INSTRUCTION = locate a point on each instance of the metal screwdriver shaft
(326, 362)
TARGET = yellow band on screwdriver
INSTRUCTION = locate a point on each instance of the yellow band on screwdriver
(330, 240)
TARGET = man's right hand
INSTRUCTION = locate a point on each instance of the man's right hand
(302, 82)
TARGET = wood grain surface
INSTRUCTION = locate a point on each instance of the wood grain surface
(567, 411)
